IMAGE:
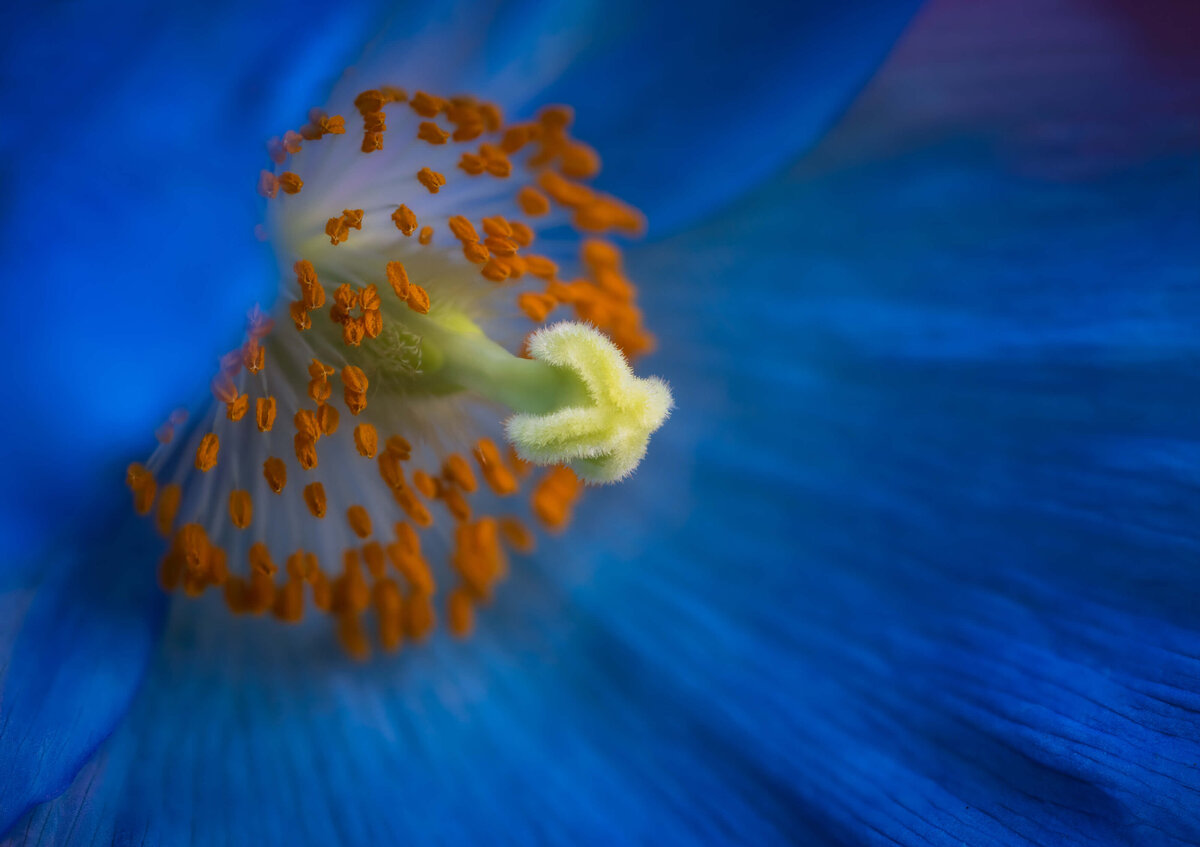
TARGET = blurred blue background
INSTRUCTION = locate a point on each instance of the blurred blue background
(914, 562)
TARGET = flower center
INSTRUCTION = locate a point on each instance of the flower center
(412, 265)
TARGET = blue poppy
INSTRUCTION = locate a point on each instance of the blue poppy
(911, 563)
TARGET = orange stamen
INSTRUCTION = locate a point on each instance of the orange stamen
(275, 472)
(206, 453)
(314, 498)
(366, 440)
(359, 521)
(241, 509)
(432, 180)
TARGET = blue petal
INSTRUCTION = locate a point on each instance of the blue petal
(74, 648)
(692, 107)
(914, 561)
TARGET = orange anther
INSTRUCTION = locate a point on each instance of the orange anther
(353, 637)
(414, 508)
(398, 279)
(275, 472)
(476, 253)
(292, 141)
(254, 355)
(579, 161)
(536, 306)
(353, 330)
(497, 475)
(350, 591)
(372, 323)
(322, 591)
(597, 254)
(517, 535)
(141, 483)
(407, 538)
(264, 413)
(260, 559)
(313, 294)
(495, 270)
(398, 446)
(366, 440)
(372, 553)
(314, 498)
(372, 141)
(499, 166)
(359, 521)
(468, 132)
(370, 101)
(492, 119)
(354, 379)
(306, 424)
(419, 616)
(393, 93)
(328, 418)
(319, 389)
(192, 543)
(497, 226)
(418, 299)
(432, 180)
(241, 509)
(345, 297)
(390, 470)
(374, 122)
(300, 315)
(405, 220)
(168, 507)
(389, 613)
(335, 125)
(471, 164)
(289, 602)
(426, 105)
(306, 451)
(368, 297)
(317, 369)
(290, 183)
(456, 503)
(236, 409)
(206, 453)
(554, 497)
(456, 469)
(337, 230)
(431, 132)
(462, 229)
(460, 612)
(532, 201)
(541, 267)
(424, 483)
(268, 184)
(426, 235)
(294, 565)
(521, 233)
(354, 402)
(501, 246)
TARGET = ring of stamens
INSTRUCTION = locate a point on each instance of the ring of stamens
(382, 574)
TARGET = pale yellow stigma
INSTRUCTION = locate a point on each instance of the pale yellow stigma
(605, 438)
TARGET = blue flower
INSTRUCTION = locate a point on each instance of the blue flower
(913, 562)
